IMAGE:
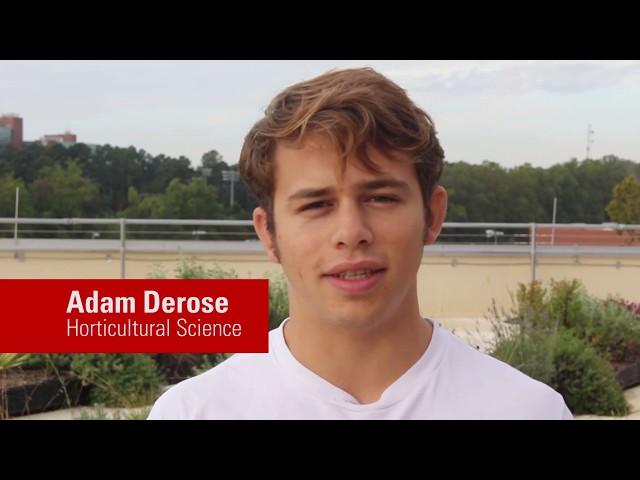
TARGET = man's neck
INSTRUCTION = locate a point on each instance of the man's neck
(363, 363)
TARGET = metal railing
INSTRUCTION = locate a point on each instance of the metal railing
(484, 238)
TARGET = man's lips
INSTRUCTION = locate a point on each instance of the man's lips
(370, 266)
(356, 277)
(358, 284)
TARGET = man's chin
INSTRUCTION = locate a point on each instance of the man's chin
(356, 320)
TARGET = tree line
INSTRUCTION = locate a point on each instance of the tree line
(107, 181)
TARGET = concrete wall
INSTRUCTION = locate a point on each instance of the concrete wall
(449, 286)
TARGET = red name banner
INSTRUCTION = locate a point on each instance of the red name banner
(134, 316)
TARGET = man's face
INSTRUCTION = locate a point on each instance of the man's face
(350, 242)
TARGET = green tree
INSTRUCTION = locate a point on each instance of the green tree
(489, 192)
(624, 207)
(161, 170)
(8, 186)
(244, 200)
(524, 191)
(195, 199)
(150, 206)
(133, 197)
(63, 192)
(477, 192)
(114, 170)
(211, 170)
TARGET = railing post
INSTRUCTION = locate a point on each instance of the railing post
(15, 223)
(123, 235)
(532, 242)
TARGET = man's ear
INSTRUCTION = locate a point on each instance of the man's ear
(260, 225)
(437, 214)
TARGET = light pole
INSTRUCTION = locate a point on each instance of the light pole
(553, 230)
(231, 176)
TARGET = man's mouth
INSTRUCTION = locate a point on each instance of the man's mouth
(359, 280)
(356, 274)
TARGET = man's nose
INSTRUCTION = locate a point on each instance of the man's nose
(351, 229)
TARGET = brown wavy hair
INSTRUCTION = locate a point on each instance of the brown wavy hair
(355, 109)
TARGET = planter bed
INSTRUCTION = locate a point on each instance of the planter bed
(23, 392)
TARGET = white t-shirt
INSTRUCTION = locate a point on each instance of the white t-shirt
(451, 380)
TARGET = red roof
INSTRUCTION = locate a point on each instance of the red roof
(584, 236)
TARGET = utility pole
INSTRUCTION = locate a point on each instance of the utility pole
(590, 134)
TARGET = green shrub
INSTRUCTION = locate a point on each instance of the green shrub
(566, 303)
(176, 367)
(532, 355)
(209, 361)
(568, 365)
(118, 380)
(53, 363)
(278, 300)
(189, 269)
(278, 289)
(531, 305)
(607, 326)
(99, 412)
(12, 360)
(586, 380)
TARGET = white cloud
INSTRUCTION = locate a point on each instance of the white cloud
(514, 77)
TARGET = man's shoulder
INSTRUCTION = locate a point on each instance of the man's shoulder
(218, 392)
(497, 386)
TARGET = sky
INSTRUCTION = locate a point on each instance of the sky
(510, 112)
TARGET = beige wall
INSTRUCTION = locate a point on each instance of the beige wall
(449, 287)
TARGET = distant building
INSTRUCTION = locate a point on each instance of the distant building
(65, 139)
(5, 136)
(12, 122)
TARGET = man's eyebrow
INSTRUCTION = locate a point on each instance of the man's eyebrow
(309, 193)
(383, 183)
(306, 193)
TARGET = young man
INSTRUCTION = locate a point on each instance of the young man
(345, 168)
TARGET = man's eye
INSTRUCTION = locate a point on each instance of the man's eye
(382, 199)
(316, 205)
